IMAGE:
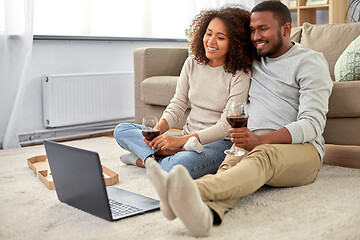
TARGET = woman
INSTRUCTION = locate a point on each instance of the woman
(217, 71)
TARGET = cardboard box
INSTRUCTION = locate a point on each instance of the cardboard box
(41, 168)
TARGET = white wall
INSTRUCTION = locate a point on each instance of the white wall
(74, 56)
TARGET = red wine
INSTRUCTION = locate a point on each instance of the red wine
(237, 121)
(150, 134)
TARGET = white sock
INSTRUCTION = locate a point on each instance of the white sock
(159, 178)
(129, 158)
(185, 201)
(193, 144)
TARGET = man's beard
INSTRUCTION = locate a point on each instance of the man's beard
(274, 49)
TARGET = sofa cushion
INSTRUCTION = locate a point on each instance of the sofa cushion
(330, 39)
(158, 90)
(347, 67)
(345, 100)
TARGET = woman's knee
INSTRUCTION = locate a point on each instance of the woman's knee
(121, 128)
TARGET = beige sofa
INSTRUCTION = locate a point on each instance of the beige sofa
(157, 69)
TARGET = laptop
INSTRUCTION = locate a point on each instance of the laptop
(79, 182)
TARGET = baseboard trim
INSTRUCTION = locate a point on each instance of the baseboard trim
(69, 133)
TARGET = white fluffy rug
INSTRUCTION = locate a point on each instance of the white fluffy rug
(326, 209)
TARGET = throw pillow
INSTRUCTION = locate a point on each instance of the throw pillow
(347, 67)
(330, 39)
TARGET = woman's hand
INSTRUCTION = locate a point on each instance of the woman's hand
(166, 141)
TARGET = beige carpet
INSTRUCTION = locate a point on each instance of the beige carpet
(326, 209)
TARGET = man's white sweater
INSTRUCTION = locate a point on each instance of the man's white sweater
(291, 91)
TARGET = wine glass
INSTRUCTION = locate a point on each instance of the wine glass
(150, 122)
(148, 130)
(237, 117)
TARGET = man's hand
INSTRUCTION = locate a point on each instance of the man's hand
(244, 138)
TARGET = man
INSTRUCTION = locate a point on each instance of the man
(288, 102)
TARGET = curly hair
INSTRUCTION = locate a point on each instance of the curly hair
(241, 49)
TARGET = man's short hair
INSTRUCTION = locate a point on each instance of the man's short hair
(280, 11)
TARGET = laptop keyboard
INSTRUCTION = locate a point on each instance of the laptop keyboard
(119, 209)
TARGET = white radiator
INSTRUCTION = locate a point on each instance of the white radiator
(72, 99)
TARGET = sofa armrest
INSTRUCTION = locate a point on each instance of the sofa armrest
(150, 62)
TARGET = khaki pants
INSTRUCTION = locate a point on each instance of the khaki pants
(279, 165)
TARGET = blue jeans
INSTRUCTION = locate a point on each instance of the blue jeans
(130, 138)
